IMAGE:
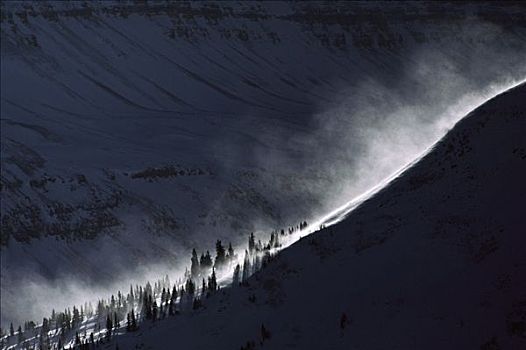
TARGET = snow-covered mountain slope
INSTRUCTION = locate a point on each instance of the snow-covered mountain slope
(131, 131)
(435, 260)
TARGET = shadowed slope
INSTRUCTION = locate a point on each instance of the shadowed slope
(436, 260)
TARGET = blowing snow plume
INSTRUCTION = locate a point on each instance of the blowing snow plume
(134, 132)
(412, 263)
(377, 127)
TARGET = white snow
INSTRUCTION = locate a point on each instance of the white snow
(434, 260)
(272, 125)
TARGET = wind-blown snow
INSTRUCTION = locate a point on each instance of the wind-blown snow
(436, 259)
(132, 133)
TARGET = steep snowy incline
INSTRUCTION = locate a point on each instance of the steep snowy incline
(134, 131)
(435, 260)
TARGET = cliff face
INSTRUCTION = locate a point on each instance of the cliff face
(146, 128)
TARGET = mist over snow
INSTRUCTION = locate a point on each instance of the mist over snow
(433, 260)
(130, 137)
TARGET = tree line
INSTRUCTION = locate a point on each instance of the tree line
(148, 303)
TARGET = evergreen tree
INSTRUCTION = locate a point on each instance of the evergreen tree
(148, 289)
(220, 254)
(45, 326)
(251, 243)
(230, 253)
(171, 307)
(181, 296)
(173, 299)
(146, 307)
(91, 338)
(133, 321)
(265, 334)
(20, 335)
(235, 278)
(77, 339)
(194, 269)
(69, 318)
(100, 308)
(163, 297)
(109, 325)
(212, 282)
(11, 329)
(44, 330)
(206, 263)
(167, 295)
(154, 310)
(190, 287)
(42, 341)
(90, 309)
(131, 296)
(256, 265)
(196, 304)
(65, 320)
(266, 259)
(75, 321)
(246, 268)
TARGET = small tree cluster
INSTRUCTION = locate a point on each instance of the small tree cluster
(155, 302)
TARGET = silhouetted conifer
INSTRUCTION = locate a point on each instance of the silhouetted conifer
(212, 282)
(236, 277)
(133, 321)
(194, 269)
(230, 252)
(196, 304)
(109, 326)
(246, 268)
(265, 333)
(220, 254)
(251, 243)
(190, 286)
(154, 310)
(20, 335)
